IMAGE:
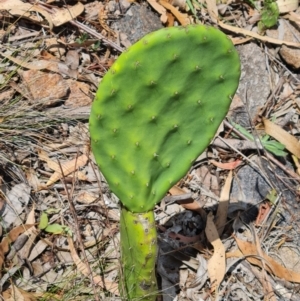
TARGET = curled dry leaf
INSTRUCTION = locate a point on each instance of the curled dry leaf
(216, 264)
(61, 16)
(228, 166)
(182, 18)
(212, 9)
(221, 215)
(67, 167)
(272, 266)
(160, 9)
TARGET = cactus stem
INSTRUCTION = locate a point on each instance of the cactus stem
(139, 250)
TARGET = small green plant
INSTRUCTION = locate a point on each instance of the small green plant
(272, 146)
(52, 228)
(269, 15)
(83, 38)
(155, 111)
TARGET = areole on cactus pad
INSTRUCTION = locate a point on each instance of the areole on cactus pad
(155, 111)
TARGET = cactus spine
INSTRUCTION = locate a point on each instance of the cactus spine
(155, 111)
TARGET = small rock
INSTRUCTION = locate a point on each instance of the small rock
(111, 6)
(249, 188)
(78, 96)
(45, 87)
(254, 86)
(287, 32)
(137, 22)
(125, 4)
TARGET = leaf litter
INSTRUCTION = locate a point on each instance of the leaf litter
(53, 57)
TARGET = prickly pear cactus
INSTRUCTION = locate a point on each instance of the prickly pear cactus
(156, 110)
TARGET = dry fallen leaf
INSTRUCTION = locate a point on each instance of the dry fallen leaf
(14, 293)
(189, 204)
(60, 16)
(290, 142)
(272, 266)
(216, 264)
(36, 65)
(182, 18)
(160, 9)
(212, 9)
(256, 35)
(54, 16)
(21, 9)
(67, 167)
(85, 197)
(228, 166)
(221, 215)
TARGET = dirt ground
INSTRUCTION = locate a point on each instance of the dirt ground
(59, 219)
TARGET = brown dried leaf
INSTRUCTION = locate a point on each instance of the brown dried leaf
(63, 15)
(221, 215)
(228, 165)
(160, 9)
(85, 197)
(182, 18)
(272, 266)
(37, 65)
(14, 293)
(32, 179)
(216, 264)
(256, 35)
(21, 9)
(212, 10)
(67, 167)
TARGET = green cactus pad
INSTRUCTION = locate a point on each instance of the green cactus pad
(158, 107)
